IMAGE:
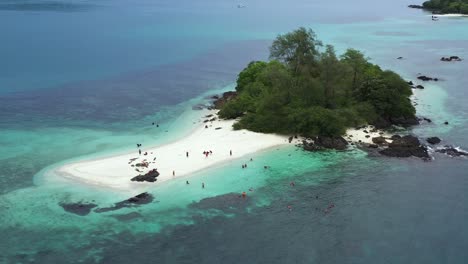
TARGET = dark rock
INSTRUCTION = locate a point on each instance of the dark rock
(404, 121)
(406, 146)
(395, 137)
(367, 136)
(433, 140)
(452, 151)
(416, 6)
(218, 128)
(451, 58)
(226, 97)
(78, 208)
(140, 199)
(322, 142)
(410, 83)
(290, 139)
(419, 86)
(148, 177)
(381, 123)
(446, 123)
(426, 78)
(380, 141)
(427, 119)
(198, 107)
(399, 58)
(373, 146)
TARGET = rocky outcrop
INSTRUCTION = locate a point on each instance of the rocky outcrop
(380, 141)
(322, 143)
(382, 123)
(419, 87)
(140, 199)
(220, 101)
(406, 146)
(452, 151)
(426, 78)
(404, 121)
(148, 177)
(79, 208)
(416, 6)
(433, 140)
(426, 119)
(451, 58)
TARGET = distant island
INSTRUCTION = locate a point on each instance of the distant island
(444, 6)
(307, 91)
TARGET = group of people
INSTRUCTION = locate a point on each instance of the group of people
(207, 153)
(202, 185)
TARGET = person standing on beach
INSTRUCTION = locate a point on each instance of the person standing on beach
(230, 153)
(186, 154)
(139, 151)
(173, 173)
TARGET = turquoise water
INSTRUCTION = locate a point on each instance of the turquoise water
(88, 78)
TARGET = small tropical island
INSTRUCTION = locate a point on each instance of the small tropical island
(305, 95)
(308, 92)
(444, 6)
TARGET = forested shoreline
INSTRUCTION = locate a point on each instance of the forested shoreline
(307, 89)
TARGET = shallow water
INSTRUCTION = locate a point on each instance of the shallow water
(88, 79)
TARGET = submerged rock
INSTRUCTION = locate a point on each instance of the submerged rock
(127, 217)
(433, 140)
(198, 107)
(78, 208)
(404, 147)
(452, 151)
(416, 6)
(140, 199)
(148, 177)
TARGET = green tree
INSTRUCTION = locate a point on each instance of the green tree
(330, 72)
(310, 93)
(298, 49)
(358, 64)
(249, 74)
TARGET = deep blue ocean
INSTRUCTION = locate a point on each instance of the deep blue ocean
(85, 78)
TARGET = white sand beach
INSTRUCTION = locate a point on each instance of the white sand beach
(115, 172)
(450, 15)
(171, 160)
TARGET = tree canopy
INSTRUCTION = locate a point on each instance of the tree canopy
(447, 6)
(309, 91)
